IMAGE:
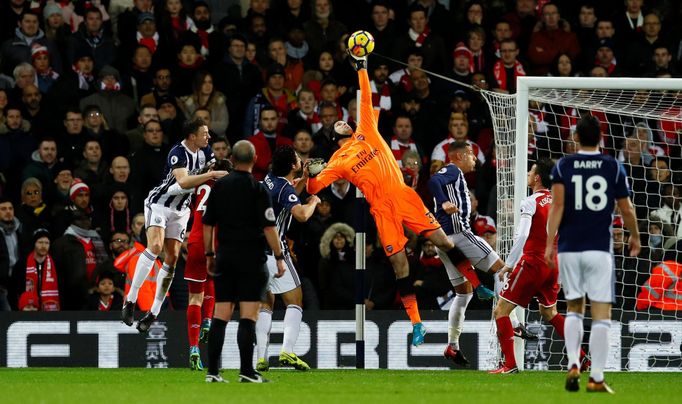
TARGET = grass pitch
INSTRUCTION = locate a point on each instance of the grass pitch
(161, 386)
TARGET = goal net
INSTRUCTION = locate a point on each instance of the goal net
(641, 121)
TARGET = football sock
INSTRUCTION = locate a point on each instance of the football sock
(599, 347)
(469, 272)
(142, 269)
(573, 330)
(292, 325)
(558, 324)
(246, 339)
(163, 282)
(216, 338)
(193, 324)
(406, 291)
(263, 326)
(505, 334)
(209, 299)
(456, 318)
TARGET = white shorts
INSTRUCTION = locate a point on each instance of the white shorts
(477, 250)
(289, 281)
(175, 222)
(590, 273)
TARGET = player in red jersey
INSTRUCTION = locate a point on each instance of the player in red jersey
(530, 277)
(200, 285)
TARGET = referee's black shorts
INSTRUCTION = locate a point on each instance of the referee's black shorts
(241, 276)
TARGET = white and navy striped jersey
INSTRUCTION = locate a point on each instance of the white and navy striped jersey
(178, 157)
(448, 184)
(284, 199)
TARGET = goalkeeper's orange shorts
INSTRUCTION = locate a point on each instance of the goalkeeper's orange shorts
(403, 207)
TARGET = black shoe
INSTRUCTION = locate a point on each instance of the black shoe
(254, 378)
(455, 356)
(522, 332)
(145, 322)
(356, 62)
(128, 313)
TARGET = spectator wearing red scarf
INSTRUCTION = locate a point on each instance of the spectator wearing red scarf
(507, 68)
(41, 273)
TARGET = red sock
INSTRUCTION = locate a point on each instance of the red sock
(505, 333)
(558, 324)
(410, 304)
(209, 298)
(193, 324)
(469, 272)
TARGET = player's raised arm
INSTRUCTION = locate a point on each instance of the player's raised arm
(322, 180)
(187, 181)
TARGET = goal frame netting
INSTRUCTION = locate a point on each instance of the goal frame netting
(510, 117)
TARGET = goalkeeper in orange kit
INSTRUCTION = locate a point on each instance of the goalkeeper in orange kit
(365, 160)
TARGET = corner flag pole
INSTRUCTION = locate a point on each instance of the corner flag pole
(360, 221)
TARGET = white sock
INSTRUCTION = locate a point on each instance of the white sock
(573, 331)
(599, 348)
(163, 282)
(292, 325)
(263, 326)
(142, 269)
(514, 319)
(456, 318)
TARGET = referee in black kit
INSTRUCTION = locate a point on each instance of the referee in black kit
(241, 208)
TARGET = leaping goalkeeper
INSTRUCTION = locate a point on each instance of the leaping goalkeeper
(365, 160)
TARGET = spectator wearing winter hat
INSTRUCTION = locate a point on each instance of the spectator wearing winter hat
(57, 30)
(41, 273)
(116, 106)
(114, 216)
(45, 74)
(606, 57)
(461, 69)
(274, 94)
(79, 195)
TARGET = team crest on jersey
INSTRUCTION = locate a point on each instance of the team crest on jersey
(389, 248)
(442, 170)
(270, 214)
(360, 137)
(293, 198)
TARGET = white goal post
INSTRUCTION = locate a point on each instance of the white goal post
(641, 339)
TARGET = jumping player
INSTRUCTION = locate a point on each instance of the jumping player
(286, 165)
(166, 215)
(200, 285)
(367, 162)
(452, 206)
(530, 276)
(584, 188)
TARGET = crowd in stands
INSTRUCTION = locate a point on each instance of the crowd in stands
(93, 94)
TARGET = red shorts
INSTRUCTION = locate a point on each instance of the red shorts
(531, 278)
(195, 267)
(404, 207)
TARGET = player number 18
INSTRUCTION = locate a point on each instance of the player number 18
(595, 198)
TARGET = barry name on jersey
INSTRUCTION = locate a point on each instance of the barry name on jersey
(587, 164)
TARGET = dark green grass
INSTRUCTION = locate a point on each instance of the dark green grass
(161, 386)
